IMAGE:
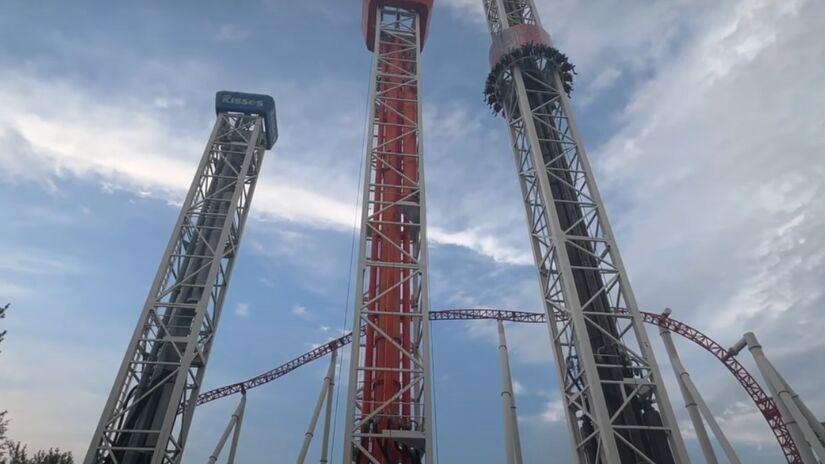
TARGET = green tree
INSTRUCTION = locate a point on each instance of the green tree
(4, 425)
(17, 454)
(12, 452)
(2, 316)
(4, 421)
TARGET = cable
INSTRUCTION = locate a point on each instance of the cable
(351, 259)
(432, 372)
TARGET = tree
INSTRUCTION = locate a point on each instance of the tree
(15, 452)
(4, 422)
(4, 425)
(2, 316)
(17, 455)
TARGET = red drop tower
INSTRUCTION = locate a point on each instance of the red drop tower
(388, 409)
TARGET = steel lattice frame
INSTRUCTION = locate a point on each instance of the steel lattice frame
(388, 407)
(763, 402)
(615, 401)
(167, 356)
(760, 398)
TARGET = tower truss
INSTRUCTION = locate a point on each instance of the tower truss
(166, 359)
(388, 408)
(615, 401)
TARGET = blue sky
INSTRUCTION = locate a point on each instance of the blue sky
(704, 123)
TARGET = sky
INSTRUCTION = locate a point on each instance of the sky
(703, 120)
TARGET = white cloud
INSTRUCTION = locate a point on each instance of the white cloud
(300, 311)
(136, 150)
(518, 388)
(714, 177)
(242, 309)
(603, 81)
(485, 244)
(553, 411)
(38, 262)
(231, 33)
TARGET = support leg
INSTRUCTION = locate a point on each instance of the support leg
(325, 391)
(512, 440)
(234, 423)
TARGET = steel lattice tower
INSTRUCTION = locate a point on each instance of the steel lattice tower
(150, 408)
(616, 405)
(388, 408)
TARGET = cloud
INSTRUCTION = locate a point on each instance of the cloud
(486, 244)
(230, 33)
(713, 177)
(553, 412)
(37, 262)
(518, 388)
(603, 81)
(595, 40)
(136, 150)
(242, 310)
(300, 311)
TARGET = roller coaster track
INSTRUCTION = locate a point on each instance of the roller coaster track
(763, 402)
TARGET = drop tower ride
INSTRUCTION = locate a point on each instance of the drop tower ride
(388, 417)
(614, 397)
(150, 408)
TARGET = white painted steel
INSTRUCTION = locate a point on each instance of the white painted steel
(582, 387)
(811, 449)
(323, 395)
(164, 364)
(816, 425)
(512, 439)
(235, 422)
(696, 405)
(327, 424)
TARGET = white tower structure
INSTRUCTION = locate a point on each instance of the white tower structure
(149, 411)
(617, 409)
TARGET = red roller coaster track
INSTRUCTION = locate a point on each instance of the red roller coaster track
(763, 402)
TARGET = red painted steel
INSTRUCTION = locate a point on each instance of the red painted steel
(422, 7)
(386, 394)
(515, 37)
(763, 402)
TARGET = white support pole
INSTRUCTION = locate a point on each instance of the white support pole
(325, 392)
(327, 423)
(818, 427)
(236, 437)
(795, 421)
(512, 441)
(690, 401)
(695, 404)
(234, 423)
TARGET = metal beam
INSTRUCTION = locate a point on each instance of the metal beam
(325, 394)
(615, 400)
(804, 436)
(389, 402)
(695, 404)
(235, 422)
(149, 411)
(512, 440)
